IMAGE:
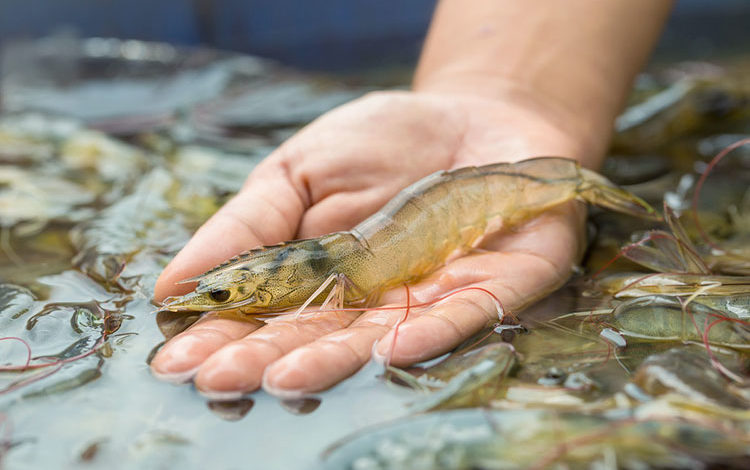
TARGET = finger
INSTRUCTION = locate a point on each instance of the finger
(178, 360)
(238, 366)
(331, 358)
(334, 357)
(267, 210)
(535, 260)
(519, 279)
(439, 329)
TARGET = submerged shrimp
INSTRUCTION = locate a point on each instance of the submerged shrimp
(445, 213)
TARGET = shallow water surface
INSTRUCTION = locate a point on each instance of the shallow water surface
(624, 351)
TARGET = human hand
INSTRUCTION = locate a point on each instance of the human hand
(333, 174)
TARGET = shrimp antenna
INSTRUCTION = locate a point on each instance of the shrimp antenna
(699, 185)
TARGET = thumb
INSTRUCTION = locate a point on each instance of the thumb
(267, 210)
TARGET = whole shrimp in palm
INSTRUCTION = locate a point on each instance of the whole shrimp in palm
(438, 217)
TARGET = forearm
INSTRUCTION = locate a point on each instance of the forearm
(574, 60)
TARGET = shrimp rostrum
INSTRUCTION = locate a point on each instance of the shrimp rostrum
(415, 233)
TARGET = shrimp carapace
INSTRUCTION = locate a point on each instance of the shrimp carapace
(445, 213)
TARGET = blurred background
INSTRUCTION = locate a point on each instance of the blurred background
(329, 35)
(198, 67)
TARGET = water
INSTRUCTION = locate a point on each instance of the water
(88, 222)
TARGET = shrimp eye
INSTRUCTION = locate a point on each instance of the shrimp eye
(220, 295)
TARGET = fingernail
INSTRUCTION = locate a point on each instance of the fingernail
(224, 375)
(273, 387)
(175, 377)
(383, 349)
(285, 394)
(221, 395)
(284, 379)
(176, 361)
(376, 355)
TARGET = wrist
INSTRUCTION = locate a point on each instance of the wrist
(572, 62)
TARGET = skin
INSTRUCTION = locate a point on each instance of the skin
(501, 81)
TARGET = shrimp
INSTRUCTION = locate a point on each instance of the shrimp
(687, 107)
(467, 379)
(689, 373)
(653, 437)
(663, 318)
(444, 214)
(636, 284)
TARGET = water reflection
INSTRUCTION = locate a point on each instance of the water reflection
(301, 406)
(231, 410)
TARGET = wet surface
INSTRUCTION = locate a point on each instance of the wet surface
(652, 344)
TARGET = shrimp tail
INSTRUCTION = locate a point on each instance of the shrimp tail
(598, 190)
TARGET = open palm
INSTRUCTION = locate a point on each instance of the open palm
(333, 174)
